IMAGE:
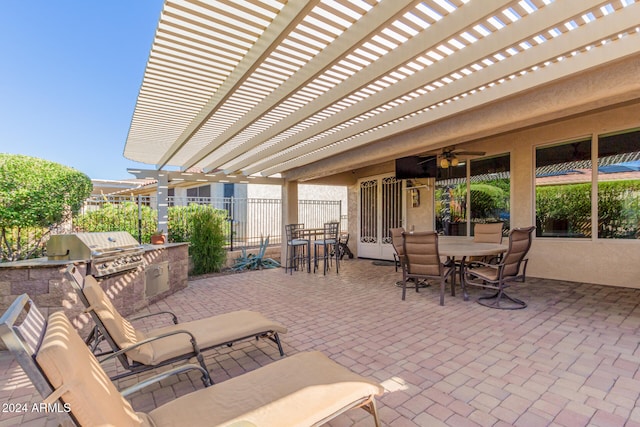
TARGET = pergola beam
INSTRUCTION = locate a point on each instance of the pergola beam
(289, 16)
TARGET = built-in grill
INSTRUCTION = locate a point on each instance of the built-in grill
(109, 252)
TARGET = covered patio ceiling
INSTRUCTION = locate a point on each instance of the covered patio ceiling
(266, 87)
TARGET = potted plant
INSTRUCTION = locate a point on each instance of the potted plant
(158, 238)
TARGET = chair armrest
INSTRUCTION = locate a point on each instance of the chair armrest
(403, 263)
(174, 318)
(157, 378)
(484, 264)
(196, 349)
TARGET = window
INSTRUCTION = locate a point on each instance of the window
(490, 189)
(619, 186)
(451, 200)
(489, 194)
(563, 190)
(199, 192)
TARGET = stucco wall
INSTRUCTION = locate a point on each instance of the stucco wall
(606, 262)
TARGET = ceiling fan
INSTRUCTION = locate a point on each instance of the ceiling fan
(450, 157)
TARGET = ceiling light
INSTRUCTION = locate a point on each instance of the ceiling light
(444, 163)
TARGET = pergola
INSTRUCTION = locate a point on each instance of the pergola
(264, 87)
(313, 90)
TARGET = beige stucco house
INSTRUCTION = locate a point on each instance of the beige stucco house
(335, 92)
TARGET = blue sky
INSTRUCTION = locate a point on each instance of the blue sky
(70, 72)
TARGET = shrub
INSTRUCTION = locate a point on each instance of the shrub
(207, 237)
(180, 223)
(619, 209)
(36, 197)
(566, 207)
(487, 201)
(120, 217)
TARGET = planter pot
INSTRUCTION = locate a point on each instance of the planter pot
(158, 239)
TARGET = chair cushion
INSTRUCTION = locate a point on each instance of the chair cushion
(301, 389)
(210, 332)
(297, 242)
(488, 232)
(66, 361)
(324, 242)
(120, 329)
(485, 273)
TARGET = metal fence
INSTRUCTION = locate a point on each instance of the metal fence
(250, 220)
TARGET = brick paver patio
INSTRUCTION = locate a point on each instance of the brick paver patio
(570, 359)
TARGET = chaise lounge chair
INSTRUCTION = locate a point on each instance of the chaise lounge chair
(139, 351)
(307, 389)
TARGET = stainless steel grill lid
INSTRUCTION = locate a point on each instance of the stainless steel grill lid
(109, 252)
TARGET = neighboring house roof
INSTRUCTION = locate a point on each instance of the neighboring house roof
(108, 186)
(270, 86)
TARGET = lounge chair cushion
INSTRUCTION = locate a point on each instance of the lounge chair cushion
(210, 332)
(120, 329)
(67, 362)
(301, 389)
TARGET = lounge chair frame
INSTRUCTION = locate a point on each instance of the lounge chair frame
(23, 327)
(100, 333)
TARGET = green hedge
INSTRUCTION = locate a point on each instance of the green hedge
(619, 209)
(204, 227)
(120, 217)
(36, 197)
(569, 206)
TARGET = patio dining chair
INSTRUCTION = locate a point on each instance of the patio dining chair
(500, 276)
(140, 351)
(307, 389)
(396, 242)
(326, 248)
(422, 261)
(298, 250)
(487, 232)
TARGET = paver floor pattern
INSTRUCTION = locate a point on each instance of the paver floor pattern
(571, 358)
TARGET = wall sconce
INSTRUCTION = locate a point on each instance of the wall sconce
(415, 198)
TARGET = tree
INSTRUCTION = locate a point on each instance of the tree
(36, 196)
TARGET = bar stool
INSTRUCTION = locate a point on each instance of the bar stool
(298, 249)
(329, 245)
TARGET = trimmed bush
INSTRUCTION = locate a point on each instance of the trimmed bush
(36, 197)
(119, 217)
(207, 237)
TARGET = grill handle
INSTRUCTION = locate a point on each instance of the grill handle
(106, 253)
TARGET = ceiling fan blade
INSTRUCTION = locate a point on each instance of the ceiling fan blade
(469, 153)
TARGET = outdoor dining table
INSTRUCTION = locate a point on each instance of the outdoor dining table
(461, 249)
(306, 234)
(310, 232)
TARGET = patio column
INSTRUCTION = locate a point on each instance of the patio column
(289, 212)
(163, 201)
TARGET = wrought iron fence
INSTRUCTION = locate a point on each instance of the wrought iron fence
(250, 220)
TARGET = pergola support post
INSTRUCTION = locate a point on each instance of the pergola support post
(289, 213)
(163, 202)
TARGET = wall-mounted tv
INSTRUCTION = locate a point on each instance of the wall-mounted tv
(416, 167)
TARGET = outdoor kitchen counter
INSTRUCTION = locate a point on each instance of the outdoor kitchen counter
(43, 280)
(46, 262)
(150, 247)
